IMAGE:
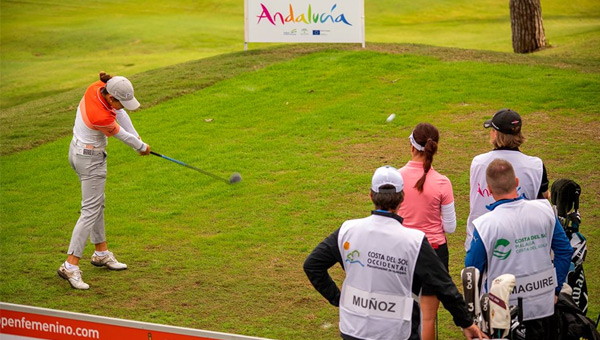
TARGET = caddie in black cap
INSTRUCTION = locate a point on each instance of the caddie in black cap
(506, 121)
(506, 137)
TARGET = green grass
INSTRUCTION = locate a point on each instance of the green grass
(38, 121)
(306, 132)
(569, 26)
(49, 47)
(304, 124)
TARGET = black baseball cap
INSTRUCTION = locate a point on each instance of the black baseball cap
(506, 121)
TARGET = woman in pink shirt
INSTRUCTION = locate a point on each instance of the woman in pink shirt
(428, 206)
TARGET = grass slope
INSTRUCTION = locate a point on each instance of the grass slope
(305, 134)
(38, 121)
(49, 47)
(52, 46)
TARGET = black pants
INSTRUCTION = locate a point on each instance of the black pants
(442, 253)
(543, 329)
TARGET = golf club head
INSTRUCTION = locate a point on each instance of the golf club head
(236, 177)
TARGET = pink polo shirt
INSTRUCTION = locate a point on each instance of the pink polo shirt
(422, 211)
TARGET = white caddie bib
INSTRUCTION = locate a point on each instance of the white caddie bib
(533, 285)
(517, 237)
(379, 259)
(528, 169)
(376, 304)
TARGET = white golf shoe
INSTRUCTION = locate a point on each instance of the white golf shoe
(73, 276)
(109, 261)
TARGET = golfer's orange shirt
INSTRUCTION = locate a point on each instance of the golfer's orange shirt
(95, 111)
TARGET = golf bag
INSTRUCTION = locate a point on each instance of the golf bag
(565, 199)
(517, 328)
(499, 309)
(572, 322)
(490, 311)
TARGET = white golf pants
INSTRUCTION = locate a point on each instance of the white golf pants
(90, 166)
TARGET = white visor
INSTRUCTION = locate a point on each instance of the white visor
(415, 144)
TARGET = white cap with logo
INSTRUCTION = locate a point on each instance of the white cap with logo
(121, 88)
(387, 175)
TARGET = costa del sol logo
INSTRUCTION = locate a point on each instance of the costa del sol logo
(499, 249)
(353, 256)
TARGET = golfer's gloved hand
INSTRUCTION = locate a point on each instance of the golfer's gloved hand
(145, 152)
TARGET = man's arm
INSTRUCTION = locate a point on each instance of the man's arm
(544, 193)
(430, 272)
(323, 257)
(476, 255)
(562, 254)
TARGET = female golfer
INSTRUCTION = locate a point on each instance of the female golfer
(428, 206)
(96, 120)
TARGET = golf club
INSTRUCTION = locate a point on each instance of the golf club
(234, 178)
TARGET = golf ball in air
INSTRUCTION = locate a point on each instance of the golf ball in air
(391, 117)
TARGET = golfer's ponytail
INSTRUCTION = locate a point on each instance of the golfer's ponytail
(426, 136)
(104, 77)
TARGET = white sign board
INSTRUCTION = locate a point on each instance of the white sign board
(305, 21)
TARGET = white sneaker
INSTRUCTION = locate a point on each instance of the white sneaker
(73, 276)
(109, 261)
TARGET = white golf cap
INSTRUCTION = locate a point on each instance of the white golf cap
(387, 175)
(121, 88)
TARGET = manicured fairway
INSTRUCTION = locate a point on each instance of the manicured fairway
(306, 134)
(49, 47)
(304, 125)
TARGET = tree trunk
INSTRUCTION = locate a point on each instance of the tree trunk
(527, 26)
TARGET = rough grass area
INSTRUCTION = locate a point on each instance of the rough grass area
(305, 127)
